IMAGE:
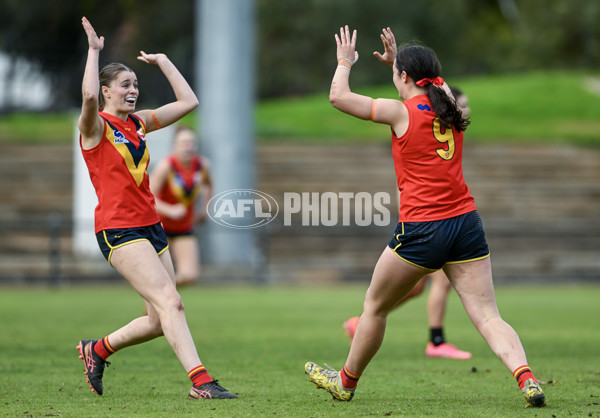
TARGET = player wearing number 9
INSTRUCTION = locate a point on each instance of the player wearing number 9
(438, 228)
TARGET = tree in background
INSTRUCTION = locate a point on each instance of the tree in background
(294, 38)
(43, 34)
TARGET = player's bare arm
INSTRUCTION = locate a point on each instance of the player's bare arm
(90, 124)
(171, 112)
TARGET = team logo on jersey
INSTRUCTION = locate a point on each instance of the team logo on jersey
(141, 134)
(120, 138)
(424, 107)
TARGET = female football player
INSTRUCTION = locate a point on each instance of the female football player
(439, 227)
(127, 226)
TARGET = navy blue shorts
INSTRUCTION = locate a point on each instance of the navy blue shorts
(111, 239)
(432, 244)
(180, 234)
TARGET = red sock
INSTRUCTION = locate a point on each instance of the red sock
(349, 379)
(522, 374)
(103, 348)
(199, 376)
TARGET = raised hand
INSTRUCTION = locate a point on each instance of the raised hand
(389, 45)
(150, 58)
(94, 41)
(346, 45)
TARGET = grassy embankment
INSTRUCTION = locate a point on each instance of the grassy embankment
(551, 106)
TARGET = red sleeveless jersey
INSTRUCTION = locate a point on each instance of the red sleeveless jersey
(428, 162)
(183, 185)
(118, 170)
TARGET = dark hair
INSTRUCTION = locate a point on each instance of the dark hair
(421, 62)
(107, 75)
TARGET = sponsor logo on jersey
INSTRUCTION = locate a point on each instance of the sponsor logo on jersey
(120, 138)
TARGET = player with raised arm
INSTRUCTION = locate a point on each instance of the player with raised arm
(127, 225)
(439, 227)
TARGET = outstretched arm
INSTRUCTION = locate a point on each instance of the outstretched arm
(90, 125)
(172, 112)
(340, 95)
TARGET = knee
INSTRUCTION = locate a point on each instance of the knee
(375, 306)
(175, 303)
(170, 303)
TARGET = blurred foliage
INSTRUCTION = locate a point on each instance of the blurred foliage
(50, 35)
(505, 107)
(295, 44)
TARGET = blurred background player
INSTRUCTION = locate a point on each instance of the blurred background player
(178, 182)
(438, 292)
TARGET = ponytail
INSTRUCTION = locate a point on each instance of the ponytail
(446, 109)
(422, 65)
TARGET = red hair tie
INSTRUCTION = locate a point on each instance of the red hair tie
(436, 81)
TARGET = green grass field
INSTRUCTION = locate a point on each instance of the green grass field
(543, 106)
(255, 340)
